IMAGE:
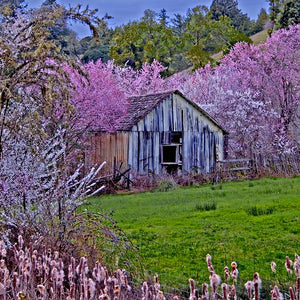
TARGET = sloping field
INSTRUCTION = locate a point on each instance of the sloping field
(251, 222)
(259, 37)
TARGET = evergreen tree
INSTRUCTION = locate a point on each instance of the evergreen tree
(206, 36)
(274, 7)
(284, 13)
(179, 24)
(92, 50)
(262, 19)
(149, 17)
(230, 9)
(290, 14)
(163, 17)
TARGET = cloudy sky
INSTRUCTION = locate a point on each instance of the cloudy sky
(124, 11)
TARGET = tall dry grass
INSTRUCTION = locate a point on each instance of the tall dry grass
(28, 273)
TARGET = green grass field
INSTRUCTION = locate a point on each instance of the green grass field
(253, 223)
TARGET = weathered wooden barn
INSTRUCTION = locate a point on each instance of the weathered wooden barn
(161, 132)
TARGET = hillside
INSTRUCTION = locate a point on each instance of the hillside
(256, 38)
(259, 37)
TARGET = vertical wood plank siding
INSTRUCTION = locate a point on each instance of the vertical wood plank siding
(141, 147)
(202, 139)
(108, 147)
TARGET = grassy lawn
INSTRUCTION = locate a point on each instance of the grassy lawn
(254, 223)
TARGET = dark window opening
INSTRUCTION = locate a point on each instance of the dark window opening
(169, 154)
(176, 137)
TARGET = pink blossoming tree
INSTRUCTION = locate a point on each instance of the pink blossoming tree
(100, 98)
(253, 93)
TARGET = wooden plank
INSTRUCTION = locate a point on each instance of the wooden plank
(135, 151)
(125, 148)
(156, 153)
(130, 150)
(240, 169)
(235, 160)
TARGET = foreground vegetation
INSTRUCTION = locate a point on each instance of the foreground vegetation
(252, 223)
(36, 272)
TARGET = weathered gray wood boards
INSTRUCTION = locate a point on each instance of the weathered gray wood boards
(161, 132)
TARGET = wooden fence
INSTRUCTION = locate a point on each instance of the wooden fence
(258, 165)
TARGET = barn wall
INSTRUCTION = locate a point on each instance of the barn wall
(202, 139)
(109, 147)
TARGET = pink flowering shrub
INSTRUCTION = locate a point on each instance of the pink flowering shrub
(100, 97)
(253, 93)
(98, 100)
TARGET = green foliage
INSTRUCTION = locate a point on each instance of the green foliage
(174, 238)
(290, 14)
(179, 24)
(274, 7)
(229, 8)
(257, 211)
(166, 185)
(206, 206)
(284, 13)
(261, 21)
(197, 56)
(177, 44)
(95, 52)
(235, 38)
(205, 36)
(92, 50)
(142, 42)
(163, 17)
(192, 40)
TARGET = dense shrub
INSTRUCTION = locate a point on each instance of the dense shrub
(257, 211)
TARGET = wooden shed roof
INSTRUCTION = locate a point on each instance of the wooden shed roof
(140, 106)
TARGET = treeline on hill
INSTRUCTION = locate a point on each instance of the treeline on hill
(177, 42)
(180, 41)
